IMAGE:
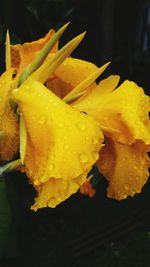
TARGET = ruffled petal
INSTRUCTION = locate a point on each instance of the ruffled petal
(55, 191)
(125, 110)
(125, 167)
(62, 142)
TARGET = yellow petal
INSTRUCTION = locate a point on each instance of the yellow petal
(58, 86)
(69, 74)
(55, 191)
(125, 167)
(74, 70)
(22, 55)
(9, 140)
(92, 101)
(62, 142)
(85, 84)
(125, 110)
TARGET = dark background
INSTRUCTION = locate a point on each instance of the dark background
(82, 231)
(116, 30)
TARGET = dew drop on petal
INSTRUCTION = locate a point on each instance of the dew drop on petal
(81, 126)
(135, 167)
(124, 196)
(105, 118)
(126, 187)
(50, 167)
(36, 182)
(41, 120)
(83, 158)
(95, 140)
(95, 156)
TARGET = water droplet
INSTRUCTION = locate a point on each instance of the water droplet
(36, 182)
(126, 187)
(95, 140)
(105, 118)
(83, 158)
(95, 156)
(81, 126)
(41, 120)
(135, 167)
(124, 196)
(51, 167)
(133, 193)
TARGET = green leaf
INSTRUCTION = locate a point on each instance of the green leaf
(5, 215)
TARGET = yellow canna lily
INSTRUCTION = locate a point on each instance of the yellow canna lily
(9, 138)
(59, 143)
(124, 120)
(62, 143)
(23, 55)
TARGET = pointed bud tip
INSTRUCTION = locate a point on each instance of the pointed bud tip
(107, 64)
(64, 27)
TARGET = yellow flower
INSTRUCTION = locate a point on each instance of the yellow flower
(62, 143)
(9, 135)
(124, 120)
